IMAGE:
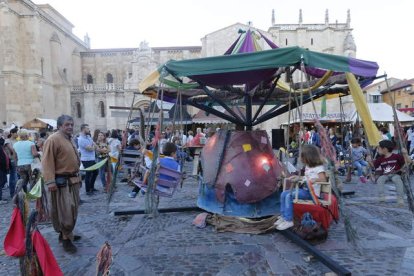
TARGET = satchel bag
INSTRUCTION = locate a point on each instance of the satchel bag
(61, 181)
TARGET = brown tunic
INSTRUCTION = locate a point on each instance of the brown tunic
(60, 157)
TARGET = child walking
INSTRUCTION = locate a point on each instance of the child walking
(390, 165)
(314, 172)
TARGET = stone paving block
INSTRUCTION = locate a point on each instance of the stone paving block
(128, 263)
(387, 235)
(232, 269)
(409, 254)
(276, 263)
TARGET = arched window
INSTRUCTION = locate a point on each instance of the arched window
(42, 64)
(102, 109)
(78, 109)
(65, 74)
(109, 78)
(89, 79)
(286, 41)
(311, 41)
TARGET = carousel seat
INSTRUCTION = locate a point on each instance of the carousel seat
(166, 181)
(323, 211)
(130, 162)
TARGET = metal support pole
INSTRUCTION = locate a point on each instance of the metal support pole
(162, 210)
(248, 100)
(323, 258)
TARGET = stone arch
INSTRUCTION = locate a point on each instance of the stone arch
(55, 38)
(143, 104)
(101, 109)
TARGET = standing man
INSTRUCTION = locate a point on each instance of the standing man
(87, 152)
(8, 146)
(61, 175)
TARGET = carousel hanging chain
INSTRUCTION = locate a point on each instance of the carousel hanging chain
(151, 199)
(401, 146)
(329, 152)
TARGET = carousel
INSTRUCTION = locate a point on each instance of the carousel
(240, 177)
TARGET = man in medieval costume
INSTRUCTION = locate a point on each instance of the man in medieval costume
(61, 175)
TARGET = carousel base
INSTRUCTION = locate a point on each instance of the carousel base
(231, 207)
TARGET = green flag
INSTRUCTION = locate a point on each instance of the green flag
(323, 107)
(36, 191)
(96, 166)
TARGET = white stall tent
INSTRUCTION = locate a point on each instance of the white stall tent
(381, 112)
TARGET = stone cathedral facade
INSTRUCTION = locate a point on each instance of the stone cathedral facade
(45, 70)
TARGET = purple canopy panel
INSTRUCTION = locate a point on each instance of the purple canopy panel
(362, 68)
(269, 42)
(230, 50)
(248, 44)
(318, 73)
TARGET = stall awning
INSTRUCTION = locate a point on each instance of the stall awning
(39, 123)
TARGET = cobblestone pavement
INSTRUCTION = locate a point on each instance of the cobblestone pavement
(170, 245)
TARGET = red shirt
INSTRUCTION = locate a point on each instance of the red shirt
(390, 165)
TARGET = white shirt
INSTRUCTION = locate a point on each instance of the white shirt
(313, 173)
(412, 140)
(190, 138)
(113, 147)
(161, 145)
(184, 139)
(410, 134)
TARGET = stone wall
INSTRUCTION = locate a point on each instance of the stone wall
(36, 68)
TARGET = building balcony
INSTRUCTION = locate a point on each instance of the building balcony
(116, 87)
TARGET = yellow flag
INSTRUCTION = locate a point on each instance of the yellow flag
(363, 111)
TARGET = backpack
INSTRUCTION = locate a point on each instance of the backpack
(310, 230)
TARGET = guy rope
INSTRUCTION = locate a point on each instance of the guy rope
(403, 151)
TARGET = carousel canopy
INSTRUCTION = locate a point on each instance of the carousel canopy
(246, 76)
(253, 68)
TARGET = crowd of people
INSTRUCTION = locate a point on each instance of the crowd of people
(63, 153)
(19, 149)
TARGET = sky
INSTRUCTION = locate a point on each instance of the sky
(382, 29)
